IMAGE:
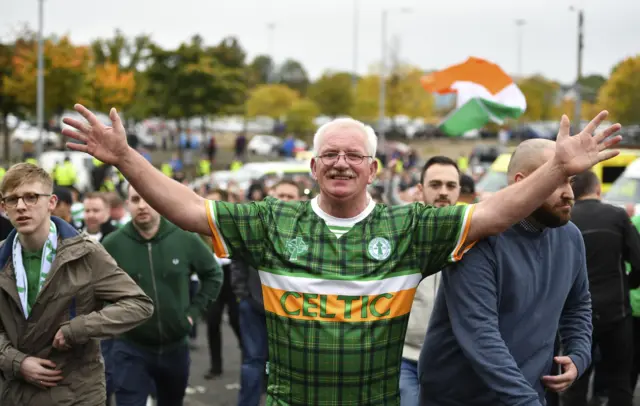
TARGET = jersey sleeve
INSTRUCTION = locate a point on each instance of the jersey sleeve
(237, 230)
(440, 235)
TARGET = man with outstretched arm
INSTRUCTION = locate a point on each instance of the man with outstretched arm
(339, 272)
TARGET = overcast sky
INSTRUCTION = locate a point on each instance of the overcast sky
(319, 33)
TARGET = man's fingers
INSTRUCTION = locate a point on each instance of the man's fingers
(607, 154)
(89, 116)
(76, 135)
(77, 147)
(50, 374)
(602, 135)
(46, 363)
(556, 379)
(565, 127)
(595, 123)
(609, 142)
(115, 119)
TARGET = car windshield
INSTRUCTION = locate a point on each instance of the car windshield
(625, 190)
(492, 182)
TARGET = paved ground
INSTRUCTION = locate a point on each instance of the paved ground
(224, 390)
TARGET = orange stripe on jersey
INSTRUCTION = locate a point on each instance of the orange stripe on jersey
(216, 238)
(463, 246)
(337, 308)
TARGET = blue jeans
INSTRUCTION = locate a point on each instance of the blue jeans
(253, 332)
(106, 347)
(139, 370)
(409, 383)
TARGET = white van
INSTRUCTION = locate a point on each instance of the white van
(626, 189)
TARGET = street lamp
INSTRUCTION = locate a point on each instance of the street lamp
(354, 78)
(519, 24)
(578, 88)
(383, 71)
(271, 27)
(40, 81)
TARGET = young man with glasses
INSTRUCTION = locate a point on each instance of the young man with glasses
(339, 272)
(53, 284)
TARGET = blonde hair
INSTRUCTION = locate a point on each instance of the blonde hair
(25, 173)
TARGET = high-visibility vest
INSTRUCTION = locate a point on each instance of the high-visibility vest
(66, 174)
(2, 172)
(463, 163)
(204, 167)
(32, 161)
(235, 165)
(107, 186)
(167, 169)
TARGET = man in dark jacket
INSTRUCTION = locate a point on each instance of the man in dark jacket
(610, 239)
(160, 257)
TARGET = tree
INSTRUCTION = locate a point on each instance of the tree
(541, 95)
(191, 82)
(406, 97)
(332, 93)
(260, 70)
(8, 103)
(271, 100)
(590, 86)
(65, 70)
(301, 115)
(229, 53)
(293, 74)
(108, 86)
(366, 103)
(620, 95)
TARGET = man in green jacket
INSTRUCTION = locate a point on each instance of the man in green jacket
(160, 257)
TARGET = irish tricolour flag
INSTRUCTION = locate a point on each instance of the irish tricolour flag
(484, 93)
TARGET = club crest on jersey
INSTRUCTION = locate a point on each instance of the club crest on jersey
(379, 248)
(296, 246)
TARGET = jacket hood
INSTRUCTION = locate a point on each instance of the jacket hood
(165, 229)
(65, 231)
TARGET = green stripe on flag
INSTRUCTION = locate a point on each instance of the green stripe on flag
(475, 114)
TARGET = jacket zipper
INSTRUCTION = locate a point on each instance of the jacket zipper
(155, 291)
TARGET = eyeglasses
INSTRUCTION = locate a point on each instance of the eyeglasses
(29, 199)
(353, 158)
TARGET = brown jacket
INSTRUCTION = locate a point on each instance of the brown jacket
(83, 277)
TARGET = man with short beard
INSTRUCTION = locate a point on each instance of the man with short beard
(160, 257)
(497, 313)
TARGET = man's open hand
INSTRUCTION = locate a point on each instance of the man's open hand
(575, 154)
(40, 372)
(560, 383)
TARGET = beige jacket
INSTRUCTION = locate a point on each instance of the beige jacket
(83, 277)
(420, 316)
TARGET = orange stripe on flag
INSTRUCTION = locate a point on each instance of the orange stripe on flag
(337, 308)
(475, 70)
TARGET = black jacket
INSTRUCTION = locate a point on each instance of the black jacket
(610, 240)
(245, 282)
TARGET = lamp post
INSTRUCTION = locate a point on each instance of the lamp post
(354, 76)
(578, 87)
(40, 81)
(271, 28)
(519, 24)
(383, 71)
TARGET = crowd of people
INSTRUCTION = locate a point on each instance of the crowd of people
(406, 291)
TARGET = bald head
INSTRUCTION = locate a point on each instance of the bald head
(529, 156)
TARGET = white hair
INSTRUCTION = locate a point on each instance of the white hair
(370, 135)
